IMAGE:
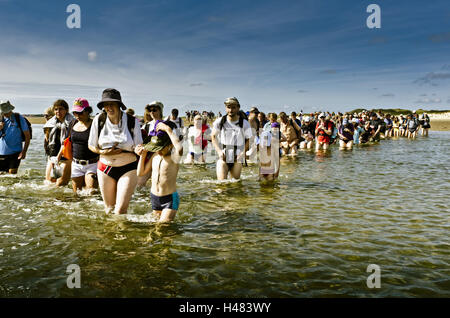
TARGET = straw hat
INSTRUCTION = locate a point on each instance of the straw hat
(6, 107)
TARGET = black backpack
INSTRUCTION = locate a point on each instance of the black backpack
(17, 118)
(240, 124)
(224, 119)
(131, 121)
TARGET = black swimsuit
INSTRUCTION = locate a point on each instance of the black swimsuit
(116, 172)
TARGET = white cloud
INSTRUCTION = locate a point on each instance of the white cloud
(428, 101)
(92, 56)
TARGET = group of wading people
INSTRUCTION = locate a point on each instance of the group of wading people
(115, 153)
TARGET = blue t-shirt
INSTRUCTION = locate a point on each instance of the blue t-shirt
(11, 142)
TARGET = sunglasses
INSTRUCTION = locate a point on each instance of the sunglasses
(153, 109)
(77, 113)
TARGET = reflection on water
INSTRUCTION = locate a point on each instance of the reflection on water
(311, 233)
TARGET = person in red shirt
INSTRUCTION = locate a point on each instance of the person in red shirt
(323, 132)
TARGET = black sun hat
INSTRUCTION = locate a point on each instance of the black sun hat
(111, 95)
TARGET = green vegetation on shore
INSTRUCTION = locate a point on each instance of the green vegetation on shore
(399, 111)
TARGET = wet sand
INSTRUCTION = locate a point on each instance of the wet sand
(440, 125)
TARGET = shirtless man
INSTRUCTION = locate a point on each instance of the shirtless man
(289, 129)
(163, 165)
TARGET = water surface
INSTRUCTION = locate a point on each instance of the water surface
(310, 234)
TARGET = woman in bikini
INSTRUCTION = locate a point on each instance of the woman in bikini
(115, 136)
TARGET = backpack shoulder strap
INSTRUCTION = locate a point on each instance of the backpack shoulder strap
(147, 128)
(101, 122)
(18, 121)
(131, 122)
(222, 122)
(241, 121)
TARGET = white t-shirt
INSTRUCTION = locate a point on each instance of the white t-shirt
(192, 135)
(112, 134)
(232, 135)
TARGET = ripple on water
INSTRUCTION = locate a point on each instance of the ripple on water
(312, 233)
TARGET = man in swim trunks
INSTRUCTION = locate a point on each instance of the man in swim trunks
(230, 138)
(164, 166)
(291, 130)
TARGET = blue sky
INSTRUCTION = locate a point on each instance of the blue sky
(278, 55)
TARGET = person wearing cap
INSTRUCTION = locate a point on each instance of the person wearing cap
(324, 129)
(155, 112)
(13, 148)
(230, 138)
(307, 133)
(345, 133)
(197, 137)
(84, 161)
(116, 137)
(165, 150)
(59, 168)
(155, 109)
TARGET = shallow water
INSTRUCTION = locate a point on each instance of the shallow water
(310, 234)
